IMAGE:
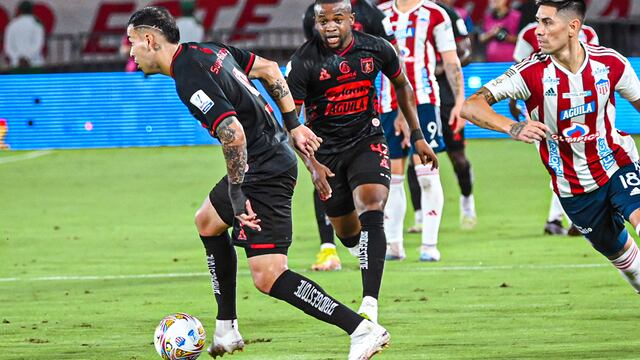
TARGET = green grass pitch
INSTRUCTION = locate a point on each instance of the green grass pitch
(88, 239)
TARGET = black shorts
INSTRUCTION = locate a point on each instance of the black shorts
(366, 163)
(454, 142)
(271, 201)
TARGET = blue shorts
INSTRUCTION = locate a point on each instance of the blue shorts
(600, 214)
(393, 141)
(429, 117)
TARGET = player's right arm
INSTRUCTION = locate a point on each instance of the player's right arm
(478, 110)
(208, 103)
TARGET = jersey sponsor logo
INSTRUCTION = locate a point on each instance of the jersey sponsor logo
(344, 67)
(200, 100)
(576, 133)
(602, 86)
(551, 81)
(577, 95)
(349, 91)
(308, 293)
(366, 65)
(405, 33)
(347, 107)
(554, 158)
(324, 75)
(550, 92)
(242, 235)
(217, 65)
(605, 154)
(600, 71)
(587, 108)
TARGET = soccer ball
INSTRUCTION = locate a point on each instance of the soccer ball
(179, 337)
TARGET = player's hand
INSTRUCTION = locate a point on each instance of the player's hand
(249, 218)
(401, 127)
(320, 175)
(456, 122)
(426, 154)
(528, 131)
(305, 140)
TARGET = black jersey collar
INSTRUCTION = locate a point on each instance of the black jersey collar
(346, 50)
(173, 60)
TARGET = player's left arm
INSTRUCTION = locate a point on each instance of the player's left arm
(446, 45)
(269, 72)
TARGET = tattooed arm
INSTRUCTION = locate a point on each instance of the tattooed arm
(269, 72)
(477, 109)
(234, 146)
(453, 70)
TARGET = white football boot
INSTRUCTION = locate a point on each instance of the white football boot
(367, 340)
(226, 339)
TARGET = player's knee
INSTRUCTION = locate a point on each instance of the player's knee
(206, 225)
(460, 162)
(263, 279)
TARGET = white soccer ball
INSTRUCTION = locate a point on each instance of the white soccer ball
(179, 337)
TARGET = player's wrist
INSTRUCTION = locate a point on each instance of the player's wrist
(238, 199)
(416, 135)
(290, 120)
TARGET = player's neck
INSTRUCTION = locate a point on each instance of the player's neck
(167, 53)
(347, 42)
(406, 5)
(571, 57)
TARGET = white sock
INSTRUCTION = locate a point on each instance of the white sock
(629, 265)
(417, 217)
(467, 206)
(327, 246)
(394, 210)
(432, 203)
(224, 326)
(556, 212)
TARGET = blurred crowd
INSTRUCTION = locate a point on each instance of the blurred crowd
(493, 36)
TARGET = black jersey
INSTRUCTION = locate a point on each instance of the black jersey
(369, 19)
(459, 33)
(211, 81)
(338, 89)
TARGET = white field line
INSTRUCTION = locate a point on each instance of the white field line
(196, 274)
(25, 156)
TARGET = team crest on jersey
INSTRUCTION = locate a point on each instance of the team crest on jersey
(324, 75)
(602, 86)
(344, 67)
(587, 108)
(366, 65)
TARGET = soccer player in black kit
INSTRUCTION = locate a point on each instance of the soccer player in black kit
(333, 75)
(255, 196)
(368, 19)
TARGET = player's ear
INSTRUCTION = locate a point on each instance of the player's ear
(574, 27)
(152, 42)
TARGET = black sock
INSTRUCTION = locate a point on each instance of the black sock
(309, 297)
(414, 188)
(223, 266)
(373, 248)
(350, 241)
(324, 226)
(462, 168)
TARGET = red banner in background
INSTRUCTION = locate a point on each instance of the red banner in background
(247, 17)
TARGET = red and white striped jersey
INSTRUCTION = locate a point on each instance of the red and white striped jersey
(584, 148)
(527, 42)
(420, 33)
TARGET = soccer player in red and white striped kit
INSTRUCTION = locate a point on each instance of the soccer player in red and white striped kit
(569, 89)
(526, 45)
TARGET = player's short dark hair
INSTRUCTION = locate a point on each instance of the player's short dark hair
(25, 7)
(576, 6)
(158, 18)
